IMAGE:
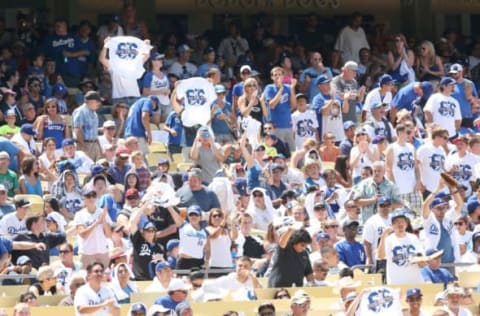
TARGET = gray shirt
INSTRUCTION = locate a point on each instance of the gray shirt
(208, 162)
(341, 85)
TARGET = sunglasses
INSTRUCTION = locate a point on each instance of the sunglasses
(320, 208)
(64, 251)
(459, 223)
(250, 85)
(267, 128)
(194, 214)
(150, 231)
(385, 205)
(91, 196)
(351, 206)
(132, 197)
(217, 216)
(331, 226)
(30, 298)
(196, 285)
(415, 299)
(246, 72)
(257, 195)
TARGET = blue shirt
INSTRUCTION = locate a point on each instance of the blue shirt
(312, 89)
(112, 206)
(440, 275)
(281, 115)
(253, 177)
(12, 150)
(276, 192)
(167, 302)
(117, 174)
(221, 126)
(55, 130)
(134, 125)
(173, 122)
(404, 98)
(54, 47)
(445, 243)
(87, 121)
(351, 254)
(88, 45)
(459, 95)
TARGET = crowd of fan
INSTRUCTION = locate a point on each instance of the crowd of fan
(309, 166)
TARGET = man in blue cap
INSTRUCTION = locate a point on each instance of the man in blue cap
(24, 140)
(465, 93)
(221, 117)
(378, 124)
(414, 300)
(308, 84)
(347, 143)
(438, 222)
(432, 273)
(407, 96)
(442, 109)
(382, 94)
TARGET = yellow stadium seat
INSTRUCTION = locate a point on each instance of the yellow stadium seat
(154, 157)
(157, 147)
(184, 166)
(469, 278)
(13, 290)
(49, 300)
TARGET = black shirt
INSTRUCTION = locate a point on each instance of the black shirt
(39, 258)
(289, 267)
(252, 248)
(162, 219)
(143, 253)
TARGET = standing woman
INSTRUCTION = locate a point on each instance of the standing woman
(155, 82)
(286, 64)
(52, 124)
(193, 239)
(220, 242)
(250, 104)
(428, 66)
(362, 154)
(401, 60)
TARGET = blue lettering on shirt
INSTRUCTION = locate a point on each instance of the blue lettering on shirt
(127, 50)
(436, 162)
(402, 253)
(380, 300)
(196, 97)
(446, 109)
(405, 161)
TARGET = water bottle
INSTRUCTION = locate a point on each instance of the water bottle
(478, 288)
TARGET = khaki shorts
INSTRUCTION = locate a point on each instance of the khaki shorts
(104, 258)
(93, 150)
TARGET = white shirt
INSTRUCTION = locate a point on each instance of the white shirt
(398, 251)
(349, 43)
(445, 111)
(126, 55)
(188, 70)
(463, 168)
(11, 225)
(333, 122)
(30, 146)
(461, 312)
(197, 94)
(230, 282)
(86, 296)
(304, 126)
(192, 241)
(403, 167)
(96, 242)
(432, 160)
(374, 97)
(373, 230)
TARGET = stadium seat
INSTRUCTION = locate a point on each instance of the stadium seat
(469, 279)
(157, 147)
(37, 203)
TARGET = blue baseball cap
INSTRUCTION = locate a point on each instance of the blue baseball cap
(162, 265)
(208, 50)
(137, 307)
(220, 88)
(194, 209)
(96, 169)
(414, 291)
(321, 80)
(348, 124)
(384, 200)
(172, 243)
(445, 81)
(156, 56)
(427, 88)
(378, 139)
(276, 166)
(149, 225)
(438, 202)
(60, 88)
(67, 142)
(376, 105)
(241, 186)
(472, 206)
(399, 212)
(385, 79)
(28, 129)
(183, 48)
(475, 236)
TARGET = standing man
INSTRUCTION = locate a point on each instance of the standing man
(207, 154)
(465, 93)
(351, 39)
(381, 94)
(196, 194)
(461, 164)
(346, 87)
(281, 100)
(138, 121)
(94, 297)
(182, 67)
(350, 251)
(409, 96)
(431, 160)
(402, 168)
(85, 125)
(308, 77)
(442, 109)
(438, 222)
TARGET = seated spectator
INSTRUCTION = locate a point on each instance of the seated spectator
(320, 272)
(23, 266)
(52, 124)
(47, 283)
(138, 166)
(67, 191)
(14, 223)
(350, 251)
(118, 170)
(8, 176)
(177, 293)
(21, 309)
(432, 273)
(36, 233)
(24, 139)
(312, 172)
(93, 296)
(300, 303)
(9, 129)
(260, 208)
(281, 294)
(28, 297)
(30, 180)
(81, 161)
(275, 186)
(66, 267)
(6, 207)
(75, 281)
(163, 278)
(196, 194)
(242, 278)
(452, 306)
(121, 285)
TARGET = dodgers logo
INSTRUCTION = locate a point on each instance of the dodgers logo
(433, 230)
(436, 162)
(305, 128)
(380, 300)
(446, 109)
(463, 172)
(405, 161)
(196, 97)
(284, 98)
(144, 250)
(127, 50)
(401, 254)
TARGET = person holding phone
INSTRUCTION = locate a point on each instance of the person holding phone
(207, 154)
